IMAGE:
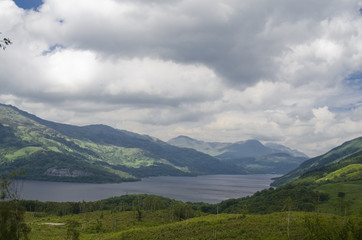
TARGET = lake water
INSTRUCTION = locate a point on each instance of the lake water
(208, 188)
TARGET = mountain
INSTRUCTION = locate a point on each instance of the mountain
(284, 149)
(245, 149)
(211, 148)
(251, 154)
(343, 162)
(96, 153)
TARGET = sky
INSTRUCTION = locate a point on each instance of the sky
(282, 71)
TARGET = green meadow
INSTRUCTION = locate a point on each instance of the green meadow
(162, 224)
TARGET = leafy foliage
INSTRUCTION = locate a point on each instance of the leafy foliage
(273, 200)
(5, 42)
(72, 230)
(12, 223)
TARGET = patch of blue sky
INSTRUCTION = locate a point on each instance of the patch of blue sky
(28, 4)
(52, 49)
(351, 98)
(354, 81)
(345, 108)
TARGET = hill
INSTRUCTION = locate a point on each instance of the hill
(251, 155)
(330, 183)
(97, 153)
(329, 166)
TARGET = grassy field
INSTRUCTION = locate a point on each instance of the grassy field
(162, 225)
(350, 172)
(26, 151)
(350, 203)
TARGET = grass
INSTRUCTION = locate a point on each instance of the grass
(23, 152)
(350, 172)
(161, 225)
(94, 225)
(352, 201)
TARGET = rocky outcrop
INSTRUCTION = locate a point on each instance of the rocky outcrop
(66, 172)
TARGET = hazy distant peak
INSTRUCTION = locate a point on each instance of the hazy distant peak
(185, 137)
(247, 148)
(283, 148)
(253, 142)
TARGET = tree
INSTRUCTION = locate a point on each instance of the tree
(72, 230)
(244, 211)
(5, 42)
(12, 223)
(288, 207)
(343, 203)
(139, 213)
(153, 203)
(182, 211)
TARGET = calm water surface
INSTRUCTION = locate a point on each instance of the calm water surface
(208, 188)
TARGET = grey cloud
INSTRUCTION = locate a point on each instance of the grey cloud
(167, 117)
(136, 100)
(226, 70)
(237, 46)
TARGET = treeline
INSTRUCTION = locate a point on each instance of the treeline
(139, 203)
(303, 198)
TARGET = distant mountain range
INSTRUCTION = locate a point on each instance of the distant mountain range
(97, 153)
(343, 163)
(251, 155)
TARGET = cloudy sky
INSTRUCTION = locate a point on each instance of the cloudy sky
(279, 71)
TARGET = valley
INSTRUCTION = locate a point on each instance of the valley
(318, 199)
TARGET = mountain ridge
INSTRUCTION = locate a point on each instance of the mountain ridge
(94, 153)
(250, 154)
(349, 152)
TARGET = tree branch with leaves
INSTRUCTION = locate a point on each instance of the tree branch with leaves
(12, 222)
(5, 42)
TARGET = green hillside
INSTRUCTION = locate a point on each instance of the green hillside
(319, 167)
(330, 183)
(96, 153)
(350, 172)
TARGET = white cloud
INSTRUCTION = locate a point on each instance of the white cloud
(221, 71)
(323, 119)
